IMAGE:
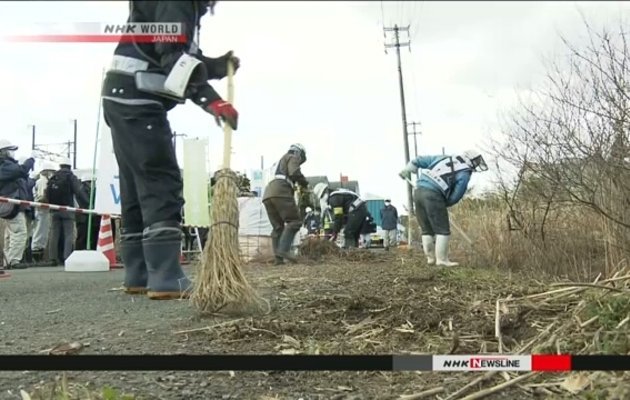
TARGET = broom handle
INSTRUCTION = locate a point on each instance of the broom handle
(227, 129)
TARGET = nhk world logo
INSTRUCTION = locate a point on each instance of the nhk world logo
(482, 363)
(86, 32)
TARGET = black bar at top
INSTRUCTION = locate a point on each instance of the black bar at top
(196, 363)
(600, 363)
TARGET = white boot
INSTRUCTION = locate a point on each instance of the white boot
(428, 245)
(441, 251)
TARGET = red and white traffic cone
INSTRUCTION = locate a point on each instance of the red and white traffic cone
(106, 241)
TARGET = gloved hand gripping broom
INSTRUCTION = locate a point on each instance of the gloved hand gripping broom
(219, 280)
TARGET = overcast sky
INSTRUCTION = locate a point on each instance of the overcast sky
(314, 73)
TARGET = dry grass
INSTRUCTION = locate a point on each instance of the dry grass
(573, 243)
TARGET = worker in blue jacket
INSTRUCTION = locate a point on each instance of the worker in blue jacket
(442, 183)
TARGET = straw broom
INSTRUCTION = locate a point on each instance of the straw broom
(219, 280)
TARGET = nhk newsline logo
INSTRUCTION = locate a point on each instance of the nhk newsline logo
(140, 32)
(482, 363)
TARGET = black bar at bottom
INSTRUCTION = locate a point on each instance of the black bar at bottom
(600, 363)
(196, 363)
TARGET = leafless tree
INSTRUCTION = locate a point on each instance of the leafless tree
(569, 138)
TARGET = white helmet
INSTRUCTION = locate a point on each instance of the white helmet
(87, 177)
(49, 166)
(308, 209)
(477, 162)
(46, 166)
(300, 149)
(319, 189)
(7, 145)
(66, 161)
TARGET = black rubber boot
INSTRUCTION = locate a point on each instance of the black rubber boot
(132, 255)
(161, 244)
(274, 244)
(285, 242)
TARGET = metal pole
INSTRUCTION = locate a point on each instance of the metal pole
(33, 134)
(405, 132)
(74, 161)
(93, 181)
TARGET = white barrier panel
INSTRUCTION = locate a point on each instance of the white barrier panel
(196, 212)
(107, 184)
(253, 220)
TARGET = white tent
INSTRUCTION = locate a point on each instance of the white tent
(254, 228)
(253, 220)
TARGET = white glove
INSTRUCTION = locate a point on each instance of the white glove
(410, 168)
(34, 154)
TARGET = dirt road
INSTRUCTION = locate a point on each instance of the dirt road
(388, 305)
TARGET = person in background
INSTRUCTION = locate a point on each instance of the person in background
(42, 215)
(311, 221)
(29, 214)
(389, 224)
(368, 228)
(61, 190)
(442, 184)
(14, 185)
(327, 222)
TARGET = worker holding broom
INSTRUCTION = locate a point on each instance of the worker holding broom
(442, 184)
(145, 81)
(279, 202)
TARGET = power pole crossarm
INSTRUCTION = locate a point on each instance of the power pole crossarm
(415, 133)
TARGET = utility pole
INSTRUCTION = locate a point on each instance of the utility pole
(415, 133)
(175, 136)
(398, 45)
(74, 160)
(33, 135)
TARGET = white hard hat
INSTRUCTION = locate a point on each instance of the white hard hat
(319, 189)
(47, 166)
(50, 166)
(7, 145)
(298, 147)
(300, 150)
(308, 209)
(87, 177)
(476, 160)
(65, 161)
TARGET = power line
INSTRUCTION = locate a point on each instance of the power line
(382, 14)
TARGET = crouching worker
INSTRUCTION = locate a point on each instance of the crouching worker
(349, 212)
(442, 184)
(279, 202)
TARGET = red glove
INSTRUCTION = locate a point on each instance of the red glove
(222, 110)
